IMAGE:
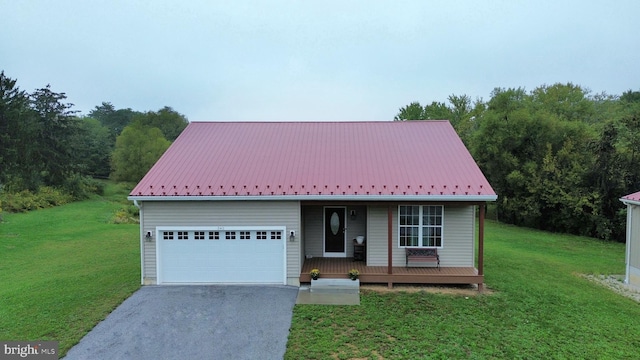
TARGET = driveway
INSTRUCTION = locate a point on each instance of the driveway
(194, 322)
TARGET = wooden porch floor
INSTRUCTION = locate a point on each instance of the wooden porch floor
(337, 268)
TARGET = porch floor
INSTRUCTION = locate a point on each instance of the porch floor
(338, 268)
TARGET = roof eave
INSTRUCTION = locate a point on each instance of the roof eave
(441, 198)
(630, 202)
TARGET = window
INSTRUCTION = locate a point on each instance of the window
(202, 233)
(420, 226)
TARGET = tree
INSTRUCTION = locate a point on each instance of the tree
(137, 148)
(114, 120)
(15, 122)
(94, 148)
(413, 111)
(169, 121)
(461, 114)
(567, 101)
(558, 157)
(56, 136)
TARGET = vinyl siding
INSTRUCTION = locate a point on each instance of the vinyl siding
(313, 230)
(458, 242)
(355, 227)
(377, 236)
(459, 237)
(634, 254)
(634, 245)
(223, 213)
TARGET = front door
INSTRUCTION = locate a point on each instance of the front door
(334, 234)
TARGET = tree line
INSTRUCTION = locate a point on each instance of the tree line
(558, 157)
(45, 143)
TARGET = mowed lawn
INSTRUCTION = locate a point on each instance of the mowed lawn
(63, 269)
(539, 308)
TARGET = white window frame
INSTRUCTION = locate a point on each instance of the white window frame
(421, 226)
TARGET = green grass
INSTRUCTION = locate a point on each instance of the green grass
(63, 269)
(539, 308)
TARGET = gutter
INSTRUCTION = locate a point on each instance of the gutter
(630, 202)
(443, 198)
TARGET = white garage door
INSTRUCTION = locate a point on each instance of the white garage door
(223, 255)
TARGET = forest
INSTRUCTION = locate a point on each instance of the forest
(50, 155)
(558, 157)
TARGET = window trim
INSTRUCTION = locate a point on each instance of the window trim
(421, 226)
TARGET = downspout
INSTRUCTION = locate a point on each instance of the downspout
(628, 247)
(139, 206)
(481, 246)
(389, 244)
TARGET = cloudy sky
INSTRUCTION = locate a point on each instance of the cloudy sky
(312, 60)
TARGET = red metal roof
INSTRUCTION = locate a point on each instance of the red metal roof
(303, 159)
(632, 197)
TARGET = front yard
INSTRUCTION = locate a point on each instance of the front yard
(539, 307)
(64, 269)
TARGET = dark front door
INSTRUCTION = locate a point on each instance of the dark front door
(334, 231)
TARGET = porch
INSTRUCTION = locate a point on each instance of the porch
(338, 268)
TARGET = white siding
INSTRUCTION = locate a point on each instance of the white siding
(223, 213)
(377, 236)
(634, 245)
(459, 237)
(355, 227)
(458, 243)
(313, 222)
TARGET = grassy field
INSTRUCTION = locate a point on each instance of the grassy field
(539, 308)
(63, 269)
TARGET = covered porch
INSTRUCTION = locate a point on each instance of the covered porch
(384, 258)
(337, 268)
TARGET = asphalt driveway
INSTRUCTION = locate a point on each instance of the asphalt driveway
(194, 322)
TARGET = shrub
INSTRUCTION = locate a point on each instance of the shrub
(126, 215)
(26, 200)
(82, 187)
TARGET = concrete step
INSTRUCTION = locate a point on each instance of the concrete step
(336, 286)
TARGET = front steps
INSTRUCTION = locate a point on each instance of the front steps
(330, 292)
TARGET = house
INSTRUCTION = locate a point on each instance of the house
(263, 202)
(632, 275)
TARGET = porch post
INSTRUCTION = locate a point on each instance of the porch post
(481, 244)
(389, 240)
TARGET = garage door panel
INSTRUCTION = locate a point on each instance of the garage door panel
(221, 261)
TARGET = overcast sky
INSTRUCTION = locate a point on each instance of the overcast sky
(312, 60)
